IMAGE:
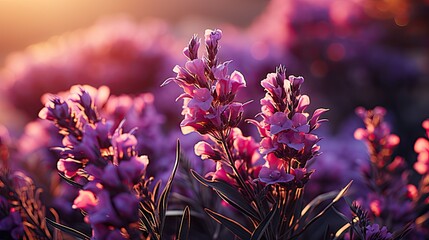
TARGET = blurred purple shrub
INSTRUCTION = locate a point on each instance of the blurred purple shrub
(390, 197)
(386, 176)
(347, 48)
(125, 56)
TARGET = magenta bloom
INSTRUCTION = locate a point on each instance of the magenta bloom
(286, 130)
(274, 171)
(421, 147)
(209, 90)
(244, 151)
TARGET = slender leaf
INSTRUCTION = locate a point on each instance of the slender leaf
(69, 181)
(68, 230)
(155, 191)
(342, 230)
(230, 195)
(336, 199)
(146, 224)
(344, 217)
(163, 200)
(185, 225)
(317, 200)
(233, 226)
(403, 232)
(259, 231)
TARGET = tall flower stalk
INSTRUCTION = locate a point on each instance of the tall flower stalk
(266, 187)
(105, 164)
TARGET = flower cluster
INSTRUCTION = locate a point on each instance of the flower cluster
(210, 109)
(209, 90)
(244, 151)
(288, 141)
(387, 199)
(258, 190)
(106, 165)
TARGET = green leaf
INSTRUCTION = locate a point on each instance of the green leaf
(185, 225)
(230, 195)
(233, 226)
(163, 200)
(259, 231)
(68, 230)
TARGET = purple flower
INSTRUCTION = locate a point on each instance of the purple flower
(286, 130)
(11, 224)
(244, 152)
(374, 231)
(209, 91)
(274, 171)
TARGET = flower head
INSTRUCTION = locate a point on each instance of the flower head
(286, 129)
(209, 91)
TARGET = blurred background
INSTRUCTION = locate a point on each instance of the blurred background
(24, 23)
